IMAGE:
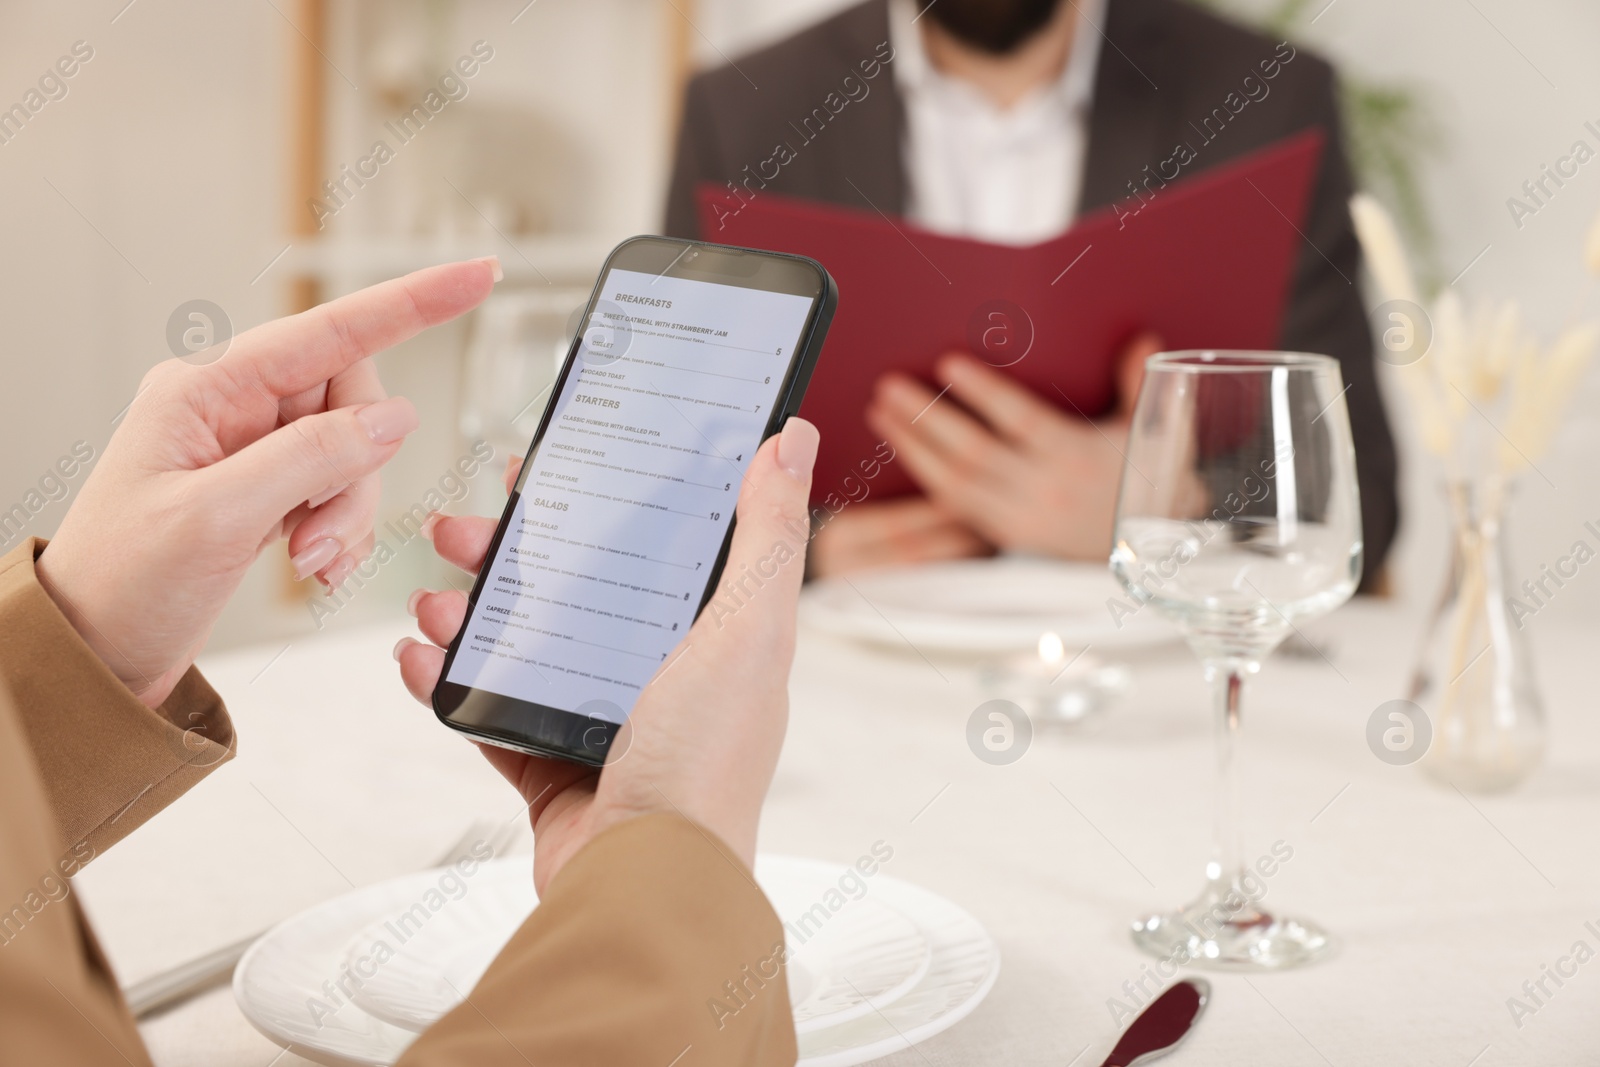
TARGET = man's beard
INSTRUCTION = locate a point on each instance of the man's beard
(994, 26)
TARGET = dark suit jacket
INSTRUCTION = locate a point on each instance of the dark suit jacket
(1164, 67)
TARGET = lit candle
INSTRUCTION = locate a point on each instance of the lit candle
(1055, 683)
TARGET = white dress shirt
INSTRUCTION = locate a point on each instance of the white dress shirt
(1007, 175)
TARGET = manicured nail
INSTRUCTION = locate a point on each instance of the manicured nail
(430, 524)
(494, 265)
(413, 601)
(797, 447)
(400, 646)
(314, 557)
(338, 572)
(323, 497)
(389, 420)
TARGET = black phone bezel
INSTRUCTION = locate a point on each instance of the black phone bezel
(554, 732)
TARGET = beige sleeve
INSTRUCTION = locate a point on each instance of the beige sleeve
(82, 763)
(107, 762)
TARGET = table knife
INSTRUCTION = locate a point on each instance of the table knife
(1163, 1025)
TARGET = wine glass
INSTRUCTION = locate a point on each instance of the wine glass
(519, 340)
(1239, 519)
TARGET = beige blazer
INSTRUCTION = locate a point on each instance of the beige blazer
(629, 958)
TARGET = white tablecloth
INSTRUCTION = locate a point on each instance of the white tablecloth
(1444, 905)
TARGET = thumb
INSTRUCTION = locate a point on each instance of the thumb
(313, 454)
(1130, 370)
(766, 561)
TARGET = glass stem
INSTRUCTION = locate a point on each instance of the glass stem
(1227, 676)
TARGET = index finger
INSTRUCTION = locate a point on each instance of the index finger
(1012, 410)
(290, 355)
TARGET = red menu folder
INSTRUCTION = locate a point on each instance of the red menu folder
(1204, 262)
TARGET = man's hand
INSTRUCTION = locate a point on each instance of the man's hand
(703, 738)
(1018, 472)
(282, 436)
(908, 530)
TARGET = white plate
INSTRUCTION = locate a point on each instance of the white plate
(845, 964)
(853, 961)
(306, 982)
(965, 963)
(437, 961)
(981, 606)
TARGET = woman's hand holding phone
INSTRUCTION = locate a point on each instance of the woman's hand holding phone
(704, 736)
(282, 436)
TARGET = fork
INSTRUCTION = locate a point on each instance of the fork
(186, 980)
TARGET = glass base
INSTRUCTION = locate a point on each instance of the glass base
(1225, 929)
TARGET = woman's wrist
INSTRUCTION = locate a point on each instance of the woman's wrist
(76, 605)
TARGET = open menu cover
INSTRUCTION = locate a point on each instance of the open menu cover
(1203, 261)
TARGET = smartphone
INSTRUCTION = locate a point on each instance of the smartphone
(689, 356)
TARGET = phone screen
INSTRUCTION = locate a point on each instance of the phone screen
(622, 509)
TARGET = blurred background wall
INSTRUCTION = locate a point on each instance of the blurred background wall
(168, 172)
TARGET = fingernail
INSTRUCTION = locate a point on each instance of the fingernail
(428, 524)
(322, 498)
(494, 265)
(797, 447)
(389, 420)
(413, 601)
(338, 573)
(314, 557)
(400, 646)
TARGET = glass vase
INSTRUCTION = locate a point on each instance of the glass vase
(1474, 679)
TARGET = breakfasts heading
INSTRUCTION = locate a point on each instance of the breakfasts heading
(634, 298)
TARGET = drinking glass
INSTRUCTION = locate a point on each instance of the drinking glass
(519, 340)
(1239, 519)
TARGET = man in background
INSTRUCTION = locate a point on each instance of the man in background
(1003, 120)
